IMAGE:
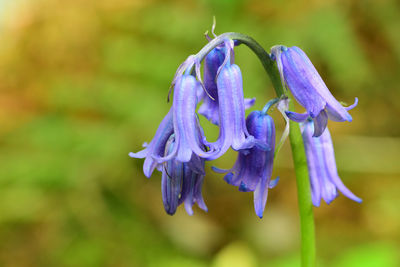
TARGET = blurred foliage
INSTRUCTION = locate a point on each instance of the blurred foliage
(83, 82)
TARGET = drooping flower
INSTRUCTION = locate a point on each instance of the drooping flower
(212, 62)
(180, 183)
(185, 121)
(253, 168)
(307, 86)
(324, 179)
(156, 147)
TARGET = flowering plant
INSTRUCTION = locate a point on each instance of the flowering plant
(180, 148)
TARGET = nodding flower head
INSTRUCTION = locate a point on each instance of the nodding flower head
(253, 168)
(324, 179)
(180, 183)
(179, 148)
(307, 86)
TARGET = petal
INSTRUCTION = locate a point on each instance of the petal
(297, 117)
(320, 88)
(354, 104)
(249, 102)
(233, 80)
(188, 190)
(315, 158)
(249, 142)
(209, 109)
(320, 123)
(298, 77)
(171, 186)
(312, 162)
(157, 145)
(273, 183)
(229, 177)
(225, 116)
(260, 196)
(260, 144)
(149, 166)
(186, 125)
(218, 170)
(329, 157)
(139, 155)
(196, 164)
(198, 197)
(184, 101)
(338, 113)
(191, 189)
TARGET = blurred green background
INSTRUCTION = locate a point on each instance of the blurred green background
(84, 82)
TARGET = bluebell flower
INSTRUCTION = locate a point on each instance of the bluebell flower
(233, 132)
(181, 120)
(185, 121)
(308, 88)
(253, 168)
(212, 62)
(180, 184)
(324, 179)
(156, 147)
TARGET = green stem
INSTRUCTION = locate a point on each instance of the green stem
(307, 228)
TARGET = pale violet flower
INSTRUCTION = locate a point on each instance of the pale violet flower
(324, 179)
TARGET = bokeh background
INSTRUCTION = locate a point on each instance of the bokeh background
(84, 82)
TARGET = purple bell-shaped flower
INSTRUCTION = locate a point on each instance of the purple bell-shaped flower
(253, 168)
(324, 179)
(307, 86)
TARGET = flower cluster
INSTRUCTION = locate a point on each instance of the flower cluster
(180, 148)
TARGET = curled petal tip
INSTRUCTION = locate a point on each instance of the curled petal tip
(201, 204)
(353, 105)
(139, 155)
(218, 170)
(273, 183)
(189, 209)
